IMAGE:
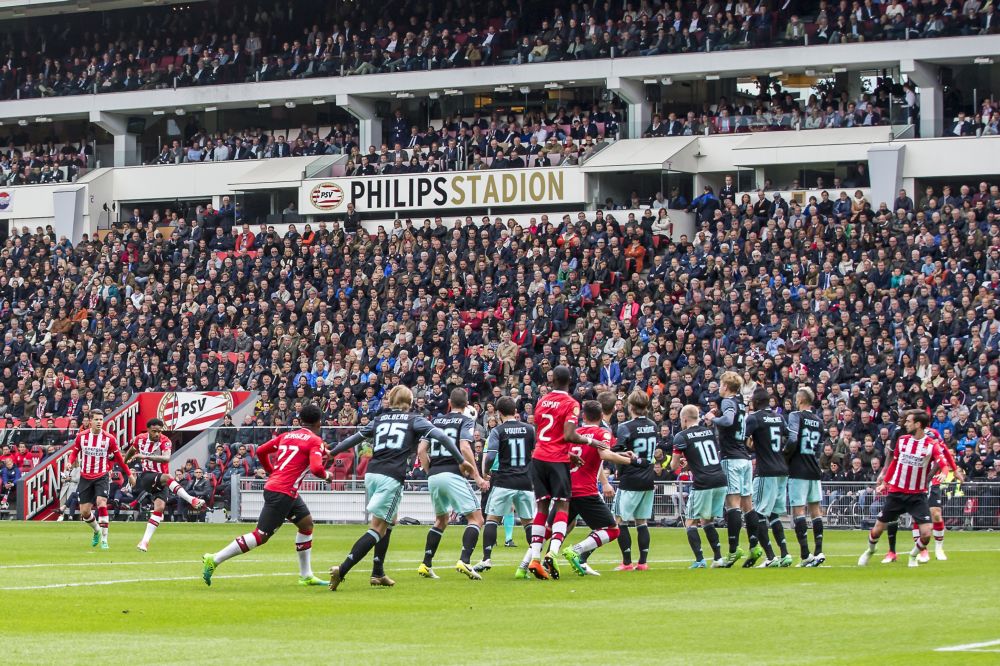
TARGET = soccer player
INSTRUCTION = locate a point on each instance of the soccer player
(636, 481)
(935, 500)
(396, 435)
(586, 501)
(508, 453)
(906, 477)
(556, 416)
(152, 448)
(94, 448)
(735, 461)
(804, 433)
(697, 444)
(767, 432)
(296, 453)
(449, 489)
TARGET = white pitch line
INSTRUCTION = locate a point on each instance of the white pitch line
(103, 564)
(969, 647)
(133, 580)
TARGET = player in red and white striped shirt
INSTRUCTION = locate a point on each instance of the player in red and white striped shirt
(95, 449)
(153, 449)
(906, 478)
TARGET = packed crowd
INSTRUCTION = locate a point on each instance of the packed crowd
(495, 141)
(26, 163)
(226, 42)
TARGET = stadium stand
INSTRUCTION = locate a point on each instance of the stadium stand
(228, 42)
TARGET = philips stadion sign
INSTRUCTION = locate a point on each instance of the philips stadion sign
(464, 189)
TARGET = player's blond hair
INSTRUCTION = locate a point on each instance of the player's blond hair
(806, 395)
(732, 381)
(638, 401)
(399, 397)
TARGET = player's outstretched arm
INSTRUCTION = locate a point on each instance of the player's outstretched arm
(349, 443)
(610, 456)
(573, 437)
(423, 455)
(492, 451)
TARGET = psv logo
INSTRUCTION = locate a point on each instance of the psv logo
(327, 196)
(193, 411)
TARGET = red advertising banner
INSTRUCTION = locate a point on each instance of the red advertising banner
(38, 490)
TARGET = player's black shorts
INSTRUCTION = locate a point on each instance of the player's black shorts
(149, 482)
(277, 508)
(935, 498)
(896, 504)
(593, 510)
(550, 480)
(90, 489)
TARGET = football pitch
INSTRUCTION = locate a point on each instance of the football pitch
(67, 603)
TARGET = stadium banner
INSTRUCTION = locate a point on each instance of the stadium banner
(443, 191)
(38, 490)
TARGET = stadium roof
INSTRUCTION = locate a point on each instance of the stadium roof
(640, 154)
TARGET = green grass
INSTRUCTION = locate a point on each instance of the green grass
(160, 611)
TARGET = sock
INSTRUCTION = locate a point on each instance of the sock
(378, 559)
(508, 528)
(753, 527)
(625, 543)
(102, 520)
(240, 544)
(734, 523)
(919, 545)
(778, 530)
(872, 541)
(938, 531)
(92, 522)
(151, 525)
(763, 536)
(469, 540)
(490, 537)
(596, 539)
(713, 540)
(752, 519)
(801, 533)
(538, 535)
(433, 541)
(303, 548)
(585, 556)
(558, 531)
(642, 535)
(818, 534)
(178, 489)
(694, 540)
(916, 534)
(891, 531)
(359, 550)
(527, 555)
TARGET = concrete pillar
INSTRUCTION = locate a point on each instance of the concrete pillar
(369, 124)
(633, 94)
(885, 164)
(930, 95)
(126, 148)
